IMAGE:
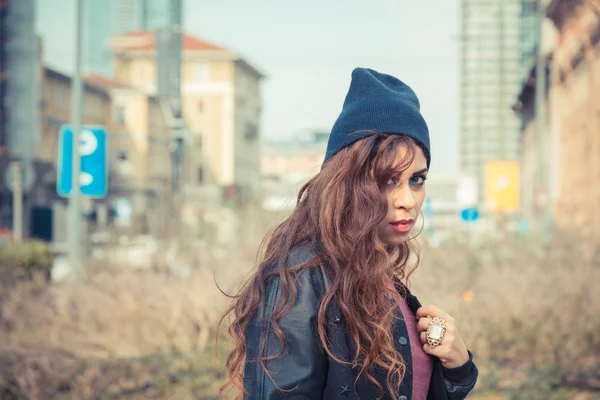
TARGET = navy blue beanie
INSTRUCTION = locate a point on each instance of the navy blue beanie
(379, 103)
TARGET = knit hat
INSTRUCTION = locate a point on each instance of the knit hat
(380, 103)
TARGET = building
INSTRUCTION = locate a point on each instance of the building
(221, 107)
(157, 14)
(496, 38)
(529, 35)
(139, 154)
(287, 165)
(48, 210)
(108, 18)
(563, 165)
(448, 194)
(19, 99)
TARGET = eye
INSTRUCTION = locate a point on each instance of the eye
(392, 182)
(418, 180)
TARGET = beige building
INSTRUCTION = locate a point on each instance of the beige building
(221, 107)
(561, 163)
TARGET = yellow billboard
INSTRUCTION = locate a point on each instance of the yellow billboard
(502, 186)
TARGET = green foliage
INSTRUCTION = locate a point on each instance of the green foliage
(63, 376)
(25, 261)
(542, 383)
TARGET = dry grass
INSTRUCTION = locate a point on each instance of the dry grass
(526, 301)
(529, 314)
(113, 313)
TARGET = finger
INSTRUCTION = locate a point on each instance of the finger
(437, 351)
(428, 311)
(428, 349)
(433, 311)
(423, 324)
(423, 337)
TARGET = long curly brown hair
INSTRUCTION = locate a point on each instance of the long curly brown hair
(339, 211)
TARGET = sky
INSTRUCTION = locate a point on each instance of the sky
(308, 49)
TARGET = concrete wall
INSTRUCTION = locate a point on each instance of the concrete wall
(576, 109)
(56, 110)
(247, 130)
(208, 109)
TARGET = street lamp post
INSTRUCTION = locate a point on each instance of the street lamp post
(76, 121)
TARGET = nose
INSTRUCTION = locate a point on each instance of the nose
(403, 198)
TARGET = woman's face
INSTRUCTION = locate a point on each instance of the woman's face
(405, 195)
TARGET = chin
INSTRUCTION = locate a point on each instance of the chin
(395, 241)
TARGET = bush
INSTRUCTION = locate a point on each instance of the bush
(62, 375)
(24, 262)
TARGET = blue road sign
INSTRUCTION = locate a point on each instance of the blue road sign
(94, 161)
(469, 214)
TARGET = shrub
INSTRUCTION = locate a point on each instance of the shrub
(24, 262)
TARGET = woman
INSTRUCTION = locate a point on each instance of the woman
(328, 315)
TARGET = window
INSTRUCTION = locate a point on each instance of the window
(201, 72)
(251, 131)
(122, 155)
(200, 175)
(120, 115)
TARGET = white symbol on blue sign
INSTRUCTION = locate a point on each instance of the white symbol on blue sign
(469, 214)
(94, 161)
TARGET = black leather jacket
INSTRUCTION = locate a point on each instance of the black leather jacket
(304, 366)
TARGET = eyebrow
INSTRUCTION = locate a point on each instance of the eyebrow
(421, 171)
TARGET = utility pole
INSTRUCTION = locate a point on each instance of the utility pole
(74, 232)
(540, 115)
(17, 201)
(177, 129)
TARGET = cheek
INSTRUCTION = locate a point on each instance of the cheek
(390, 202)
(419, 196)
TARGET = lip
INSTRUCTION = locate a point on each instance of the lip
(403, 221)
(402, 225)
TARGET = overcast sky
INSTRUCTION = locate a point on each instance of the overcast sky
(308, 49)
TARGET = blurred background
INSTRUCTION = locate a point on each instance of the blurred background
(197, 122)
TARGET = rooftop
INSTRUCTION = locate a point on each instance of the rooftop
(106, 82)
(54, 73)
(144, 41)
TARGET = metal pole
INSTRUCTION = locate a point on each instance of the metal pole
(176, 101)
(540, 118)
(74, 231)
(17, 202)
(177, 127)
(177, 28)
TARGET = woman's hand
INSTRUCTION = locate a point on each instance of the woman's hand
(452, 352)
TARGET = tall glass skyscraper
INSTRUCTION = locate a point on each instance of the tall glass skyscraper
(108, 18)
(494, 54)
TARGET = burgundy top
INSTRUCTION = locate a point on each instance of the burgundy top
(422, 363)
